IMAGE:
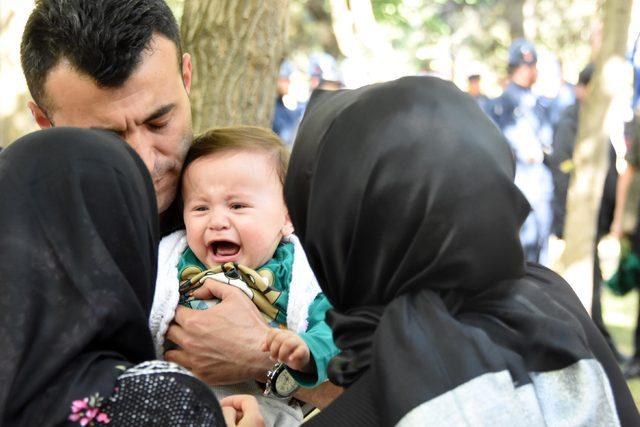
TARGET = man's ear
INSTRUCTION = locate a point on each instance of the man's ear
(287, 228)
(186, 72)
(39, 115)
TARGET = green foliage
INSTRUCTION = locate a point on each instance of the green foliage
(483, 27)
(620, 315)
(477, 28)
(387, 11)
(456, 22)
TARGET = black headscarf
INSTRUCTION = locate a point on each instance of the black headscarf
(79, 233)
(402, 194)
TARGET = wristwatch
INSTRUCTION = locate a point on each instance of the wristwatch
(280, 383)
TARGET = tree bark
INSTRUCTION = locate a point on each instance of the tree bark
(515, 17)
(590, 156)
(236, 46)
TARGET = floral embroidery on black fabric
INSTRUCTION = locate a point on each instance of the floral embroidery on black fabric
(87, 412)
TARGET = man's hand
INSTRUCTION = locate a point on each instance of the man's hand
(241, 411)
(287, 347)
(221, 345)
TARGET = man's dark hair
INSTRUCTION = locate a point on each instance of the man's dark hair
(101, 38)
(585, 75)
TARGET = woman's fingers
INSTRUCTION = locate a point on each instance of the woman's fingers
(246, 410)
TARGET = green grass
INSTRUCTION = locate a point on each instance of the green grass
(620, 315)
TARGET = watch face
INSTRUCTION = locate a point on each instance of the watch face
(285, 385)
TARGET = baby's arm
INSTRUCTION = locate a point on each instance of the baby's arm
(287, 347)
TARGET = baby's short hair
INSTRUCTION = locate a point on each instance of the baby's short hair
(249, 138)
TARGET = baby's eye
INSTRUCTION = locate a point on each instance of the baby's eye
(200, 208)
(235, 206)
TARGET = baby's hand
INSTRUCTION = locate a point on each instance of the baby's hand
(287, 347)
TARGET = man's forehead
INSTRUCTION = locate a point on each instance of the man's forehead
(77, 99)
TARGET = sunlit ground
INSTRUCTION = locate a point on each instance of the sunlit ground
(620, 316)
(620, 313)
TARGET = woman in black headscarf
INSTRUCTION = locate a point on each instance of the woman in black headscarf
(78, 241)
(402, 194)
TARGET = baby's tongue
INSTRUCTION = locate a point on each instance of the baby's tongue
(226, 249)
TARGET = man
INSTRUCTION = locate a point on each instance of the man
(626, 212)
(324, 72)
(523, 119)
(474, 89)
(288, 112)
(117, 65)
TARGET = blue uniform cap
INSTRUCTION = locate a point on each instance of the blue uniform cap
(522, 52)
(324, 67)
(286, 69)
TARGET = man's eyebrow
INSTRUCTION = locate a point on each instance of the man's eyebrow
(159, 112)
(153, 116)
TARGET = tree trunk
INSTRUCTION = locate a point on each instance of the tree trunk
(515, 17)
(590, 156)
(236, 47)
(361, 40)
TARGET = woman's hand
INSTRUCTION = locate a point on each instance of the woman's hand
(241, 410)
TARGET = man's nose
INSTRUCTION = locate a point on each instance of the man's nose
(143, 147)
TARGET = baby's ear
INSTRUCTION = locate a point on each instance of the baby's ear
(287, 228)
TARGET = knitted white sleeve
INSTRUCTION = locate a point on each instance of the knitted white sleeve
(303, 288)
(166, 296)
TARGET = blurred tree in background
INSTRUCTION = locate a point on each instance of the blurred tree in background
(452, 38)
(372, 39)
(236, 49)
(591, 157)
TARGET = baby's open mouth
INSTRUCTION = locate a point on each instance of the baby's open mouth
(224, 248)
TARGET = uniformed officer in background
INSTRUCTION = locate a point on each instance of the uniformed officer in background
(523, 118)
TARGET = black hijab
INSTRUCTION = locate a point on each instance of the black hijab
(79, 234)
(402, 194)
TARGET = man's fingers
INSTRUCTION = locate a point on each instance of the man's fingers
(181, 317)
(213, 289)
(179, 357)
(175, 332)
(203, 292)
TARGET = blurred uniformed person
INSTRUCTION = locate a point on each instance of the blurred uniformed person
(523, 117)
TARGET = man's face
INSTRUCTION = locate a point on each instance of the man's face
(150, 110)
(581, 92)
(282, 86)
(531, 73)
(474, 87)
